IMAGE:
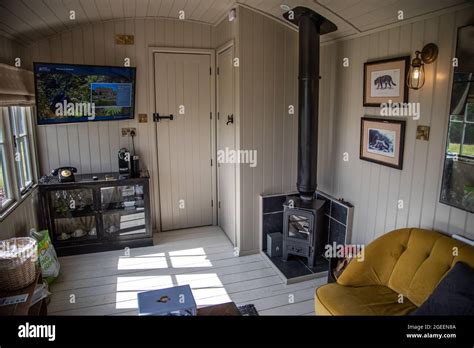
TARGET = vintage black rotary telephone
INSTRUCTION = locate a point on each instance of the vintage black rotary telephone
(65, 174)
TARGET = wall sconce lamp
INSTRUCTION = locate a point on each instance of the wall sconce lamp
(416, 74)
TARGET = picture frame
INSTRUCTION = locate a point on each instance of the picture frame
(382, 141)
(385, 80)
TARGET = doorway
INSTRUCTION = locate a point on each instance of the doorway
(183, 88)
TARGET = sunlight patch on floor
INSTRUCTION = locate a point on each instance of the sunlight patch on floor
(202, 296)
(174, 259)
(194, 251)
(207, 288)
(189, 261)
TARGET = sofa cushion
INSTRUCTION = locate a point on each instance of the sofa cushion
(335, 299)
(428, 257)
(454, 295)
(410, 261)
(380, 258)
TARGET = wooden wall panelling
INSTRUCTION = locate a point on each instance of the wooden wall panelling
(23, 218)
(376, 189)
(258, 107)
(263, 119)
(93, 146)
(385, 42)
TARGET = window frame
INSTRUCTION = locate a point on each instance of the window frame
(9, 182)
(17, 194)
(16, 140)
(464, 122)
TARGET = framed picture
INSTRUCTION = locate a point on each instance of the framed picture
(381, 141)
(384, 80)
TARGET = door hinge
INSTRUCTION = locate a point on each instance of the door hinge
(211, 114)
(211, 162)
(210, 71)
(218, 115)
(217, 70)
(212, 202)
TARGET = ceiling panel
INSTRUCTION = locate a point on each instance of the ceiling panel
(204, 6)
(153, 8)
(165, 8)
(141, 8)
(29, 20)
(191, 7)
(17, 24)
(371, 14)
(117, 8)
(104, 8)
(176, 6)
(91, 10)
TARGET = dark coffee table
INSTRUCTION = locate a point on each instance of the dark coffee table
(223, 309)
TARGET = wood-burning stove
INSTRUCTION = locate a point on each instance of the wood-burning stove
(303, 215)
(302, 227)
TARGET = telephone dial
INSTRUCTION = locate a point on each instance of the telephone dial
(65, 174)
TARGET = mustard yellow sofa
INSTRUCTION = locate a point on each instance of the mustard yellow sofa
(408, 261)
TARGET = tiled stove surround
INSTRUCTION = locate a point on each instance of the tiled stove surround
(338, 223)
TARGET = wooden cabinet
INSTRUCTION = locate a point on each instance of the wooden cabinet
(96, 212)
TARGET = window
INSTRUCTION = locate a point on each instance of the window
(5, 185)
(461, 132)
(21, 147)
(17, 158)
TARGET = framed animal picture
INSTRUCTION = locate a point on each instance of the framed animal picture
(382, 141)
(384, 81)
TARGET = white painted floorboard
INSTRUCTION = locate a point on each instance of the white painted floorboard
(107, 283)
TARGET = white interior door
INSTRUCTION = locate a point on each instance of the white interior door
(226, 142)
(183, 89)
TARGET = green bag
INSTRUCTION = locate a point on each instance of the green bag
(48, 259)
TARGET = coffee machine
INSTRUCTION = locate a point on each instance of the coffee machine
(129, 165)
(124, 158)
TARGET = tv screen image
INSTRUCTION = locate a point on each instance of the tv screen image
(78, 93)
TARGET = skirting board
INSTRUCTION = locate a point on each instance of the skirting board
(248, 252)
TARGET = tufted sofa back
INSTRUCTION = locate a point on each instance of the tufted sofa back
(410, 261)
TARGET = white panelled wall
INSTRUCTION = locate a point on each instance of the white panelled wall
(374, 189)
(268, 85)
(22, 219)
(9, 50)
(93, 146)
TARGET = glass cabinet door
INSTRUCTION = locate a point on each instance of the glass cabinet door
(73, 202)
(75, 229)
(73, 215)
(123, 209)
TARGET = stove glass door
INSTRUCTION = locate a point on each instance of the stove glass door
(299, 226)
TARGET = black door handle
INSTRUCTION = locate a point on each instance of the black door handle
(230, 119)
(157, 117)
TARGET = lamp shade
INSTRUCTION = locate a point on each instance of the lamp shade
(416, 76)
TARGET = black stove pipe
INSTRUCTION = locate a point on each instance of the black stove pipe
(311, 25)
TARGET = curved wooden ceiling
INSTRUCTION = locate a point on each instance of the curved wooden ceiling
(27, 21)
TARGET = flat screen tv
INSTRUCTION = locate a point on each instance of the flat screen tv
(79, 93)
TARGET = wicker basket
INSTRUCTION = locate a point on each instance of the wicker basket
(18, 258)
